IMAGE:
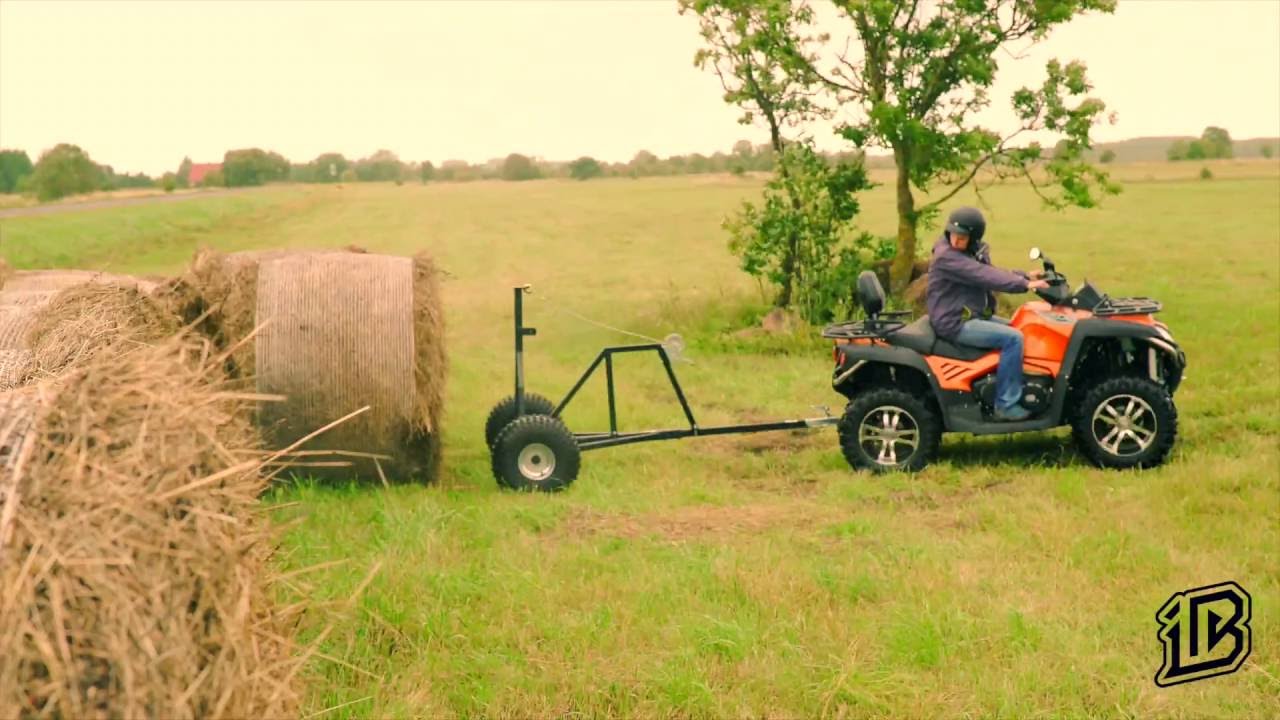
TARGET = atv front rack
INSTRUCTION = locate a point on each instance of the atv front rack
(1127, 306)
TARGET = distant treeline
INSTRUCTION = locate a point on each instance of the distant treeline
(68, 169)
(385, 166)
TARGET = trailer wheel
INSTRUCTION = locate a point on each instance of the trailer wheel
(888, 429)
(536, 452)
(504, 412)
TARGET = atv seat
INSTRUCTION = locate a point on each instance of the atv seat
(919, 336)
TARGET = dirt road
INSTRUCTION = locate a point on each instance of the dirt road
(54, 209)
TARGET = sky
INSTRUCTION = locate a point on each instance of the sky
(139, 85)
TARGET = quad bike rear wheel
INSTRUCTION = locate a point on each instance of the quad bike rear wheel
(1126, 422)
(888, 429)
(504, 412)
(536, 452)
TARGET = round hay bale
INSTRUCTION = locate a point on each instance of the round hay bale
(134, 553)
(916, 295)
(51, 281)
(339, 330)
(87, 319)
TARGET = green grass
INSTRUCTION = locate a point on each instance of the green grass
(756, 575)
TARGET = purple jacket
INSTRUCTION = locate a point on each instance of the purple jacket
(958, 280)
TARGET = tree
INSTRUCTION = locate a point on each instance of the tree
(183, 178)
(805, 220)
(1216, 142)
(925, 69)
(1267, 151)
(426, 171)
(644, 163)
(454, 170)
(1178, 150)
(519, 167)
(64, 170)
(111, 181)
(381, 166)
(253, 166)
(328, 167)
(585, 168)
(745, 39)
(213, 178)
(14, 166)
(1108, 156)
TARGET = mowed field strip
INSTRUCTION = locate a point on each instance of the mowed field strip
(758, 575)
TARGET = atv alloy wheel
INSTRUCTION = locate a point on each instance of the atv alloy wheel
(536, 452)
(888, 429)
(1126, 422)
(504, 412)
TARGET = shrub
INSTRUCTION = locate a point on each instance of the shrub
(800, 237)
(519, 167)
(64, 170)
(585, 168)
(14, 166)
(1205, 174)
(253, 166)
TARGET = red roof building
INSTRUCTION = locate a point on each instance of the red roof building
(199, 170)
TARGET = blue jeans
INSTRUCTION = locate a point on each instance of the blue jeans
(989, 334)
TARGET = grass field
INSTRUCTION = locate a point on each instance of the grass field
(756, 575)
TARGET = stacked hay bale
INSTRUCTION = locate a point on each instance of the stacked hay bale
(80, 321)
(51, 318)
(333, 331)
(133, 553)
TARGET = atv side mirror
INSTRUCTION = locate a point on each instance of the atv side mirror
(1035, 253)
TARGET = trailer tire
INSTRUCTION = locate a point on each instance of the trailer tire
(536, 452)
(504, 412)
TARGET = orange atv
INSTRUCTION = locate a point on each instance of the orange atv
(1102, 365)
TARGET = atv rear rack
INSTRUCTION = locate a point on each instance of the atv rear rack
(882, 324)
(1127, 306)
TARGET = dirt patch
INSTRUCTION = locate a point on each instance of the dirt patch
(693, 523)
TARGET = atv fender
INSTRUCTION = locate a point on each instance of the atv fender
(856, 358)
(1097, 328)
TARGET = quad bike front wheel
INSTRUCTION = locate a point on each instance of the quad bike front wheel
(1126, 422)
(504, 412)
(889, 429)
(536, 452)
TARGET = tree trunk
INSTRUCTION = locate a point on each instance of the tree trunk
(793, 240)
(900, 271)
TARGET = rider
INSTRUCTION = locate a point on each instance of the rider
(961, 304)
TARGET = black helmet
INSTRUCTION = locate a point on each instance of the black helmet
(967, 221)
